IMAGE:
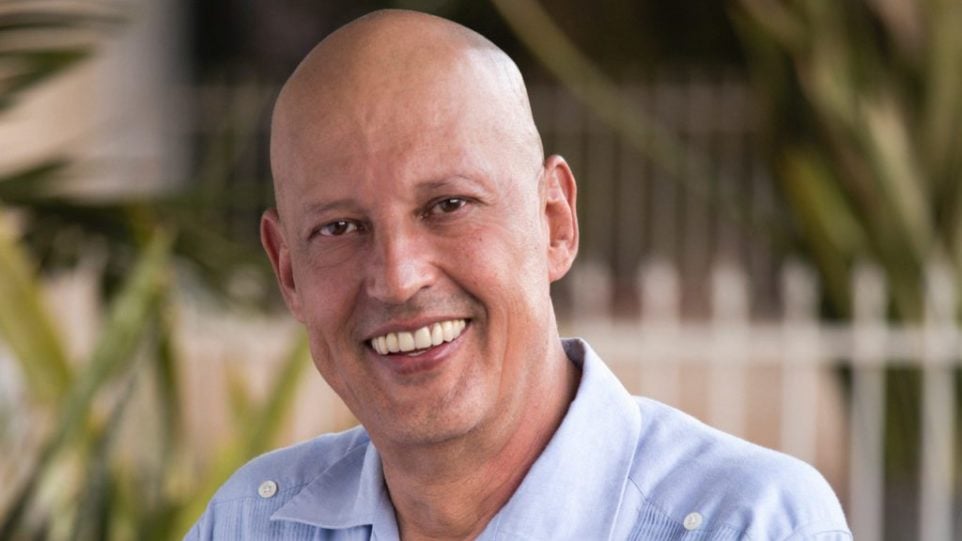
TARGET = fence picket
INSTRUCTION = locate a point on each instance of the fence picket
(869, 335)
(800, 374)
(938, 399)
(658, 283)
(590, 286)
(730, 340)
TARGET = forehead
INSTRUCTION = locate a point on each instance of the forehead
(395, 128)
(394, 97)
(404, 145)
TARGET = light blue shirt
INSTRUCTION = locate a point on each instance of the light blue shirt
(618, 467)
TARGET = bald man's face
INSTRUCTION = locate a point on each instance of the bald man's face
(416, 239)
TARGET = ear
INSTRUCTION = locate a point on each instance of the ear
(272, 238)
(560, 215)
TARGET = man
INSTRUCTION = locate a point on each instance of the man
(418, 227)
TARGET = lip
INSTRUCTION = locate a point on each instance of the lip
(403, 364)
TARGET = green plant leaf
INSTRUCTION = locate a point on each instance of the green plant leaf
(128, 320)
(941, 108)
(40, 41)
(778, 21)
(93, 517)
(166, 363)
(114, 354)
(26, 327)
(23, 70)
(268, 421)
(238, 398)
(833, 232)
(30, 16)
(31, 182)
(895, 166)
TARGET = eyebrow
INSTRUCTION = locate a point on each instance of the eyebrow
(422, 189)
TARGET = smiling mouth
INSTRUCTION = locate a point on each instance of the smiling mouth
(415, 342)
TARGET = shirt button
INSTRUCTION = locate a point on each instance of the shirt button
(692, 521)
(268, 489)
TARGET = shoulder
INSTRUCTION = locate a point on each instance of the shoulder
(241, 508)
(290, 468)
(683, 466)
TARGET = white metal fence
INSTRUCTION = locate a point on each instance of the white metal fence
(729, 343)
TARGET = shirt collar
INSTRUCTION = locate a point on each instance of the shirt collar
(572, 491)
(348, 494)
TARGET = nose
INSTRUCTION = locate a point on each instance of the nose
(400, 266)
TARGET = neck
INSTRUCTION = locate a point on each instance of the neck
(453, 489)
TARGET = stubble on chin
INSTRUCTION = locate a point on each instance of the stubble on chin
(437, 421)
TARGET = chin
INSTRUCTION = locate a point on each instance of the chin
(422, 434)
(434, 425)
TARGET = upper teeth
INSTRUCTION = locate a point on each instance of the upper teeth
(425, 337)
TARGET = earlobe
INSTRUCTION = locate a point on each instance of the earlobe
(561, 216)
(272, 238)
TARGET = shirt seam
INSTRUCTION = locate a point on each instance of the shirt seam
(654, 503)
(238, 499)
(714, 527)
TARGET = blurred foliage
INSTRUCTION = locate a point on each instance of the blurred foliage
(38, 42)
(863, 118)
(78, 471)
(863, 121)
(41, 38)
(71, 469)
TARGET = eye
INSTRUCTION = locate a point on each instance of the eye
(337, 228)
(448, 205)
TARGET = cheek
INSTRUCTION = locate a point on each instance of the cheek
(505, 266)
(321, 356)
(333, 358)
(326, 297)
(525, 251)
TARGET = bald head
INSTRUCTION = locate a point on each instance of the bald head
(399, 72)
(412, 190)
(393, 43)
